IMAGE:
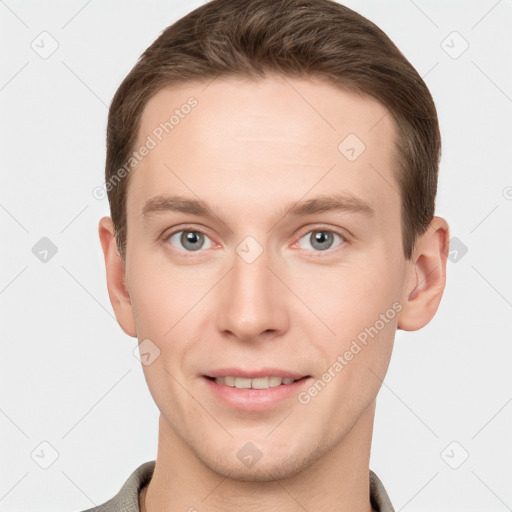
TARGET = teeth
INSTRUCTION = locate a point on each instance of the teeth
(229, 381)
(242, 383)
(258, 383)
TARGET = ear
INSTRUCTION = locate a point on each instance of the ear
(116, 283)
(426, 277)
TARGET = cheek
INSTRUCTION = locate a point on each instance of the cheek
(349, 299)
(162, 304)
(360, 306)
(162, 295)
(354, 366)
(151, 307)
(169, 305)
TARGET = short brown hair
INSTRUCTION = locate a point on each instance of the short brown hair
(294, 38)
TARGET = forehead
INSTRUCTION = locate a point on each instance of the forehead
(278, 137)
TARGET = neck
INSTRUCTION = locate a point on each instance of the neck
(337, 480)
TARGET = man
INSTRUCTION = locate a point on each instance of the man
(271, 172)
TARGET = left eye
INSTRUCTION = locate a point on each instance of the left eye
(319, 240)
(190, 240)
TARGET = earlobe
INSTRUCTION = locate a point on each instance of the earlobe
(427, 280)
(115, 273)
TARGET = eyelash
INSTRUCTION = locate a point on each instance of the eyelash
(344, 239)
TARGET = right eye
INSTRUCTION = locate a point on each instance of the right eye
(190, 240)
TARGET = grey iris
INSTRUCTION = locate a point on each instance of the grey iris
(321, 240)
(192, 240)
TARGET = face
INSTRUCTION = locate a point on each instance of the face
(264, 246)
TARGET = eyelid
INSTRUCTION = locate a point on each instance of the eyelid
(344, 233)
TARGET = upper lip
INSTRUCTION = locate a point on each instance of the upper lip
(254, 374)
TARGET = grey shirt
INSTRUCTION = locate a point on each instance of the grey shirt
(127, 499)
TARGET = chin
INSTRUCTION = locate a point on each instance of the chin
(270, 467)
(260, 472)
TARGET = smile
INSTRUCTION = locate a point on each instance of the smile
(255, 391)
(257, 383)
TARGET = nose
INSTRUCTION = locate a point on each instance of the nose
(252, 301)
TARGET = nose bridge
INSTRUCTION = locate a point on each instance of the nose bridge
(252, 302)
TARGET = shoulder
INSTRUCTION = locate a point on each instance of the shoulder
(378, 496)
(127, 499)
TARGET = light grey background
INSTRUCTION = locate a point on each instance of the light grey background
(68, 376)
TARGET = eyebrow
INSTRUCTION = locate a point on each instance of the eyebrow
(325, 203)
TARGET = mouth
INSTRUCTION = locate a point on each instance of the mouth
(254, 383)
(255, 391)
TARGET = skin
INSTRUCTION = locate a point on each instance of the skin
(247, 150)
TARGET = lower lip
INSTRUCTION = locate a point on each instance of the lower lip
(255, 399)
